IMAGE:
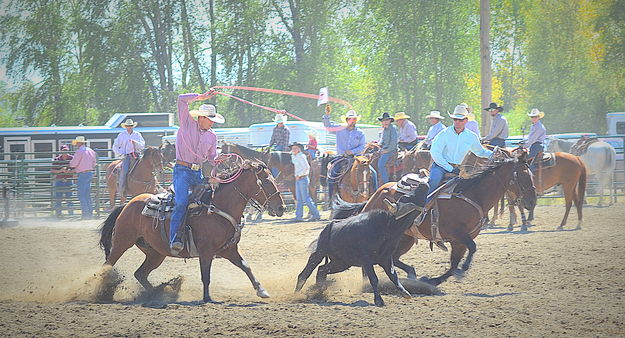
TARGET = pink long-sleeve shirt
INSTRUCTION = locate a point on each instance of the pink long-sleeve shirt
(84, 159)
(193, 145)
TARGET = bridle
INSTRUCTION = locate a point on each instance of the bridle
(515, 181)
(253, 200)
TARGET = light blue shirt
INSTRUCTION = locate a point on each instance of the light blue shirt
(538, 133)
(433, 131)
(346, 139)
(450, 147)
(408, 132)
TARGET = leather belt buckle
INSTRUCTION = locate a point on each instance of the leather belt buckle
(195, 166)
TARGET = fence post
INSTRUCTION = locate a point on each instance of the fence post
(97, 186)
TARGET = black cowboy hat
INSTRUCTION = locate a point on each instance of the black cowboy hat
(493, 105)
(386, 116)
(301, 146)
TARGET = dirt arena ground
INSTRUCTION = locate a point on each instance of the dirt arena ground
(539, 283)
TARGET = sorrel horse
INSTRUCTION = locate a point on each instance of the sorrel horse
(282, 161)
(415, 160)
(213, 234)
(459, 220)
(140, 178)
(570, 172)
(355, 184)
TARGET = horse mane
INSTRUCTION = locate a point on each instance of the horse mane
(245, 151)
(282, 157)
(477, 177)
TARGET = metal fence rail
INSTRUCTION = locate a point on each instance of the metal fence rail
(31, 191)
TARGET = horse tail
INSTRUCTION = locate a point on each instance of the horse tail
(106, 230)
(581, 183)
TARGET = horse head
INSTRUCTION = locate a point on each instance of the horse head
(168, 151)
(257, 184)
(155, 158)
(521, 183)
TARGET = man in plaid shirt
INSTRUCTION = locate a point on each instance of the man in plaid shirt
(280, 136)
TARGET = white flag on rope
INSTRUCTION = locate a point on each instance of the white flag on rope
(323, 96)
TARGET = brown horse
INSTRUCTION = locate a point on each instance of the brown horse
(355, 185)
(415, 160)
(214, 234)
(459, 220)
(140, 179)
(570, 172)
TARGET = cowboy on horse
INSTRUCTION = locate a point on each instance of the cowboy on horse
(536, 137)
(196, 143)
(436, 127)
(450, 147)
(408, 137)
(350, 141)
(128, 145)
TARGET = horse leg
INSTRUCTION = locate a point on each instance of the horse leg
(392, 275)
(373, 280)
(232, 254)
(513, 219)
(152, 261)
(112, 192)
(530, 217)
(568, 200)
(314, 260)
(524, 222)
(472, 247)
(457, 252)
(119, 246)
(206, 261)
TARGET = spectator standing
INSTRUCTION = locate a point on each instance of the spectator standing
(62, 181)
(83, 163)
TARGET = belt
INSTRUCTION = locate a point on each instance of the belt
(192, 166)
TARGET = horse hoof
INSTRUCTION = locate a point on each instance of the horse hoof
(560, 228)
(412, 277)
(378, 301)
(262, 293)
(510, 228)
(460, 274)
(523, 228)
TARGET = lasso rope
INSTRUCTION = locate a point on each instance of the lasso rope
(238, 160)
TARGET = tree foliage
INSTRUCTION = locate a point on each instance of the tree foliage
(71, 62)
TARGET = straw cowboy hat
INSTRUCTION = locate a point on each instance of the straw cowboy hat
(280, 118)
(79, 139)
(129, 123)
(401, 116)
(386, 116)
(536, 113)
(493, 105)
(209, 111)
(435, 114)
(351, 114)
(460, 113)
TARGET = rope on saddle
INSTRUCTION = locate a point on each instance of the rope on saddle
(228, 167)
(344, 165)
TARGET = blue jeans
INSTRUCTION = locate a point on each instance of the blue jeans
(63, 189)
(535, 148)
(436, 176)
(303, 197)
(121, 181)
(382, 166)
(84, 193)
(184, 179)
(374, 177)
(498, 142)
(312, 152)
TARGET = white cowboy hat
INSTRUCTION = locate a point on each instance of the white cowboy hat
(351, 114)
(460, 113)
(280, 118)
(79, 139)
(536, 113)
(209, 111)
(401, 116)
(435, 114)
(129, 123)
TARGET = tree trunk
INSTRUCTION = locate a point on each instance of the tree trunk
(486, 74)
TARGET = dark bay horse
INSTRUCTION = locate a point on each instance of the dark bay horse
(213, 234)
(140, 179)
(460, 221)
